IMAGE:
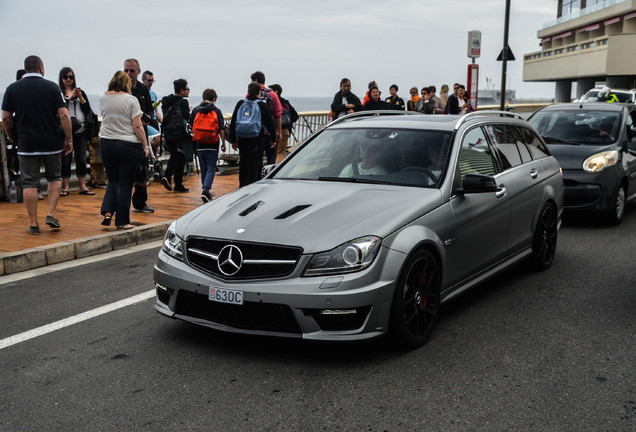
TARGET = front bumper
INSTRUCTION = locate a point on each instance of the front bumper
(590, 192)
(318, 308)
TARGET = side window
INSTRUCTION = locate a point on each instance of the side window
(536, 147)
(475, 156)
(505, 138)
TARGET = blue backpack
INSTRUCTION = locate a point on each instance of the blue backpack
(248, 119)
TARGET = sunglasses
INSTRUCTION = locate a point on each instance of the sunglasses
(68, 77)
(130, 70)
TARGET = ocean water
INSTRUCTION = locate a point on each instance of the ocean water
(227, 103)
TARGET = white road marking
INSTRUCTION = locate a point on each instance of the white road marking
(30, 334)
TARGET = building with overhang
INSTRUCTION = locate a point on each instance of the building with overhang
(590, 41)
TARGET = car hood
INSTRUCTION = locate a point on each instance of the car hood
(315, 215)
(572, 156)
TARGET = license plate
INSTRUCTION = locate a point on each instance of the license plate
(224, 295)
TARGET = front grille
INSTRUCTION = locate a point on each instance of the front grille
(249, 316)
(258, 260)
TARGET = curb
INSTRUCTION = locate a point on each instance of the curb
(28, 259)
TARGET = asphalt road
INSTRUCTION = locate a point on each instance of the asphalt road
(549, 351)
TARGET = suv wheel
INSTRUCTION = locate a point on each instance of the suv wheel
(416, 300)
(545, 238)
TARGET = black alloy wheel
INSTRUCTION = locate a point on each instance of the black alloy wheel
(416, 300)
(545, 238)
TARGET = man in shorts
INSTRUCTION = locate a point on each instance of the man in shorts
(37, 104)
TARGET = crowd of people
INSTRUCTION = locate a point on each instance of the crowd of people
(50, 124)
(424, 100)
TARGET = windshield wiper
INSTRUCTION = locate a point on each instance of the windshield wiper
(351, 180)
(548, 139)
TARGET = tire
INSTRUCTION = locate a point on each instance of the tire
(617, 211)
(187, 170)
(416, 300)
(544, 241)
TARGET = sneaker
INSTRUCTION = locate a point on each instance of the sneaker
(40, 197)
(182, 189)
(206, 197)
(166, 183)
(34, 230)
(144, 209)
(52, 222)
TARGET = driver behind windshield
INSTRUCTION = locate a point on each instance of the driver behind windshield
(606, 129)
(368, 164)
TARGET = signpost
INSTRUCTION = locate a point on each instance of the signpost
(474, 51)
(506, 53)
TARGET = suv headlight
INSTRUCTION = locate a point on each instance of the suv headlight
(350, 257)
(599, 161)
(172, 244)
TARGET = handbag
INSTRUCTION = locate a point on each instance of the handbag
(76, 124)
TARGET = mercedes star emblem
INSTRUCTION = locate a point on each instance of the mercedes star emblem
(230, 260)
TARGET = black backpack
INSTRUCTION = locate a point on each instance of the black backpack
(173, 126)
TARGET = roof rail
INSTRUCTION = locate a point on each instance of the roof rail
(356, 115)
(470, 115)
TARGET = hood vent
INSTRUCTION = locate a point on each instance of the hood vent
(251, 208)
(292, 211)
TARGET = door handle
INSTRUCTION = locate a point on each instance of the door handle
(501, 191)
(534, 173)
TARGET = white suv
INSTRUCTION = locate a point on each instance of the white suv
(623, 95)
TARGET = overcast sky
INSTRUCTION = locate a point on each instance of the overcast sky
(306, 46)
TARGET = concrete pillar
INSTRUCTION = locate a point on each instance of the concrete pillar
(618, 82)
(563, 91)
(583, 85)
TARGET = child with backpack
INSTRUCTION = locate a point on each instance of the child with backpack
(251, 118)
(207, 127)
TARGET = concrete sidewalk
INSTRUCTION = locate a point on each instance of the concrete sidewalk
(82, 235)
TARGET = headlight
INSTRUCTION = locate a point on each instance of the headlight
(600, 161)
(172, 244)
(352, 256)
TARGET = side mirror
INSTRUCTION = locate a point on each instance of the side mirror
(478, 183)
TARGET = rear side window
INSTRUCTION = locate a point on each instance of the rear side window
(537, 149)
(505, 138)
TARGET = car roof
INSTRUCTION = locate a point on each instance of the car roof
(406, 120)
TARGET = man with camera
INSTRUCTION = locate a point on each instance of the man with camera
(140, 91)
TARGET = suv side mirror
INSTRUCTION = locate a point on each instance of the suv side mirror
(478, 183)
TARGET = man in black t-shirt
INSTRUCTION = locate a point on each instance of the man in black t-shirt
(140, 91)
(39, 107)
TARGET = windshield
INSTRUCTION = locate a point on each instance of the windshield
(387, 156)
(577, 127)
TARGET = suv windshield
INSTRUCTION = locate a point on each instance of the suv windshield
(577, 127)
(387, 156)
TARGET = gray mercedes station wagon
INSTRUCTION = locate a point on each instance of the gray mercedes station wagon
(366, 229)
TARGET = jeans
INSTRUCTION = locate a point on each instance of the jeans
(120, 160)
(207, 162)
